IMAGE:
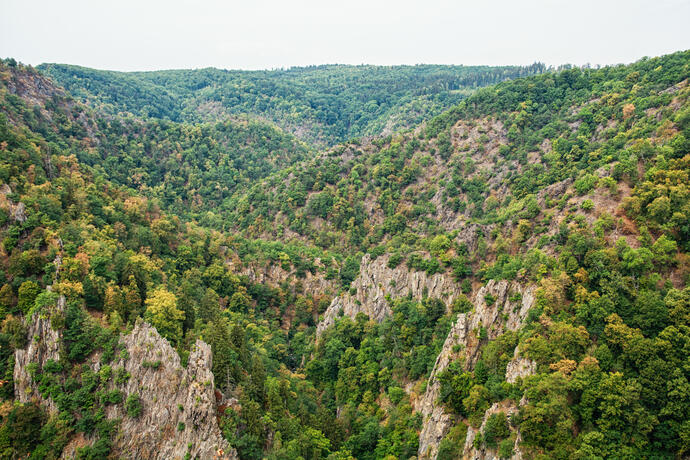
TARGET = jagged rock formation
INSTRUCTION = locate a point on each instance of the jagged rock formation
(519, 367)
(16, 211)
(503, 314)
(274, 275)
(376, 281)
(178, 404)
(43, 344)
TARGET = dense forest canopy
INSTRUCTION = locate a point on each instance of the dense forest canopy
(510, 276)
(323, 104)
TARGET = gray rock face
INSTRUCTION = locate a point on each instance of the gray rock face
(519, 367)
(273, 275)
(554, 191)
(503, 315)
(19, 213)
(178, 404)
(44, 344)
(470, 452)
(376, 280)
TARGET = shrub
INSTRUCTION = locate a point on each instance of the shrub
(24, 426)
(461, 304)
(112, 397)
(585, 183)
(121, 376)
(151, 364)
(396, 394)
(505, 448)
(133, 405)
(496, 429)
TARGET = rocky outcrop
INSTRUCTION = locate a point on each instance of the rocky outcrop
(554, 191)
(273, 275)
(483, 453)
(509, 309)
(519, 367)
(376, 281)
(178, 404)
(43, 345)
(17, 211)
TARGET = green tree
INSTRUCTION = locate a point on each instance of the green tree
(28, 291)
(163, 314)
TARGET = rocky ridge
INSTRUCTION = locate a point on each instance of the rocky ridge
(376, 281)
(508, 311)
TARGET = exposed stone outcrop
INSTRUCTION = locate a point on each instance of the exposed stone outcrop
(554, 191)
(178, 405)
(482, 453)
(503, 314)
(17, 211)
(519, 367)
(178, 415)
(376, 281)
(43, 344)
(273, 274)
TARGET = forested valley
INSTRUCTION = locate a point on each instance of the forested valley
(345, 262)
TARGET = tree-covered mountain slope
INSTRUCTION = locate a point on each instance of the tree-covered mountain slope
(319, 104)
(507, 280)
(82, 259)
(573, 184)
(189, 168)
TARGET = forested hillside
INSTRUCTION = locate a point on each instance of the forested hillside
(319, 104)
(509, 279)
(574, 183)
(114, 256)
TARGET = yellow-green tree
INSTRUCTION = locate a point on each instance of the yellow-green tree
(163, 314)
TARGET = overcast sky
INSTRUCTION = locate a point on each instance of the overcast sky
(260, 34)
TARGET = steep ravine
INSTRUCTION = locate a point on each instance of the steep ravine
(178, 416)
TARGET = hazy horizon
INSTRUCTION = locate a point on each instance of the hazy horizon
(266, 34)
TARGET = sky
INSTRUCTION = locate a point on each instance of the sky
(267, 34)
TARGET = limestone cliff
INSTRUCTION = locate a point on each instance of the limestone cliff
(376, 280)
(178, 405)
(506, 313)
